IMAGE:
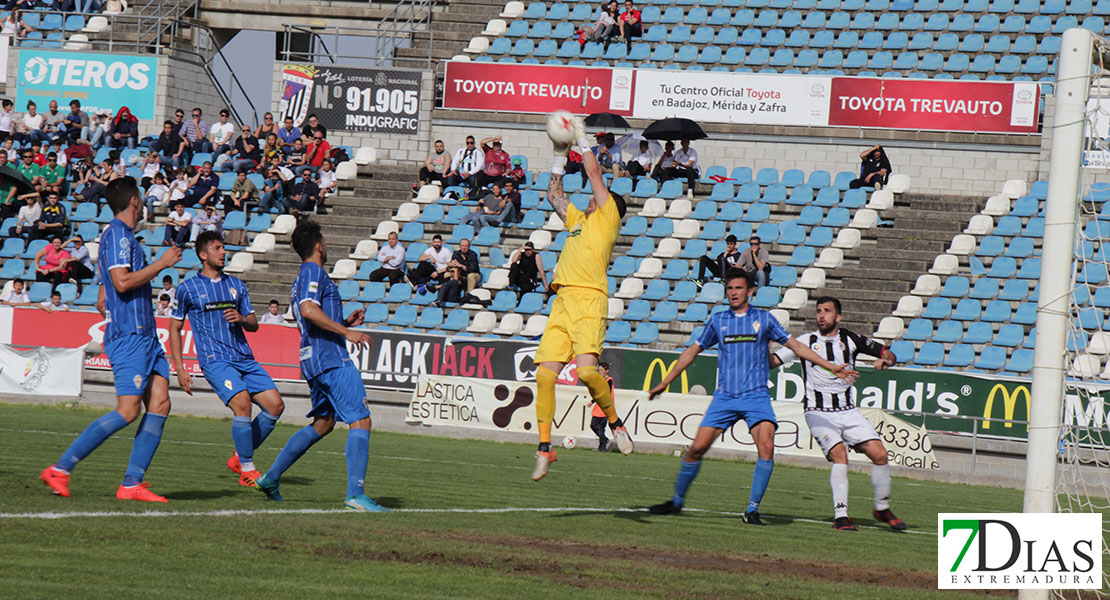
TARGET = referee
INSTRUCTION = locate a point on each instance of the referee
(831, 414)
(743, 334)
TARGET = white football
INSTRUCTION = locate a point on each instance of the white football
(569, 442)
(560, 127)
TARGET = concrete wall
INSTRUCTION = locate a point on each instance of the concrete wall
(933, 169)
(392, 148)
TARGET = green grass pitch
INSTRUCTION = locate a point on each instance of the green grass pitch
(576, 534)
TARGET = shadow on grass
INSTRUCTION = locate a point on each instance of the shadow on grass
(201, 494)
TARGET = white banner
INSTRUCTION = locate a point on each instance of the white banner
(716, 97)
(41, 371)
(669, 419)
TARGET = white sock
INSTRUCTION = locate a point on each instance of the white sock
(838, 479)
(880, 480)
(247, 465)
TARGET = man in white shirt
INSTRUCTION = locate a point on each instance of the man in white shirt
(467, 163)
(392, 257)
(640, 164)
(221, 133)
(686, 165)
(209, 220)
(54, 303)
(177, 226)
(432, 266)
(16, 296)
(609, 154)
(28, 215)
(273, 314)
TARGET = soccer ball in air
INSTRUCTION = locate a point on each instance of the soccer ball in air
(569, 442)
(560, 127)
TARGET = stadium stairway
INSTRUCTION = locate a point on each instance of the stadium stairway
(892, 258)
(452, 29)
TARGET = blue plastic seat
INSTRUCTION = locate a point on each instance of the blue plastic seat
(664, 312)
(930, 354)
(1009, 335)
(530, 303)
(949, 332)
(657, 289)
(979, 333)
(997, 311)
(802, 256)
(919, 330)
(642, 246)
(1021, 361)
(937, 309)
(961, 355)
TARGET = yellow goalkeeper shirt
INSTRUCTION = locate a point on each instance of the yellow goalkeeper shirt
(588, 248)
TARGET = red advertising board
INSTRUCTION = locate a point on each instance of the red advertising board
(536, 88)
(974, 106)
(273, 344)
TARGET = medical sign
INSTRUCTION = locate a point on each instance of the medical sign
(98, 81)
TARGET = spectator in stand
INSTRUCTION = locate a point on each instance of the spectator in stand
(467, 163)
(76, 123)
(510, 207)
(195, 132)
(244, 194)
(221, 134)
(30, 170)
(311, 128)
(273, 314)
(8, 203)
(164, 307)
(286, 174)
(452, 289)
(630, 24)
(495, 164)
(755, 262)
(54, 304)
(267, 127)
(170, 146)
(205, 185)
(304, 196)
(526, 270)
(178, 224)
(8, 149)
(664, 169)
(7, 119)
(246, 154)
(517, 175)
(56, 148)
(40, 149)
(30, 127)
(52, 121)
(686, 165)
(609, 154)
(156, 194)
(604, 29)
(178, 121)
(53, 223)
(272, 192)
(392, 257)
(98, 131)
(270, 146)
(14, 25)
(53, 175)
(431, 268)
(179, 187)
(488, 211)
(288, 135)
(80, 263)
(326, 180)
(124, 130)
(151, 166)
(16, 296)
(719, 266)
(466, 259)
(209, 220)
(435, 167)
(167, 288)
(317, 151)
(640, 163)
(874, 169)
(50, 263)
(297, 158)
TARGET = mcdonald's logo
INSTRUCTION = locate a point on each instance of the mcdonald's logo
(1009, 400)
(664, 370)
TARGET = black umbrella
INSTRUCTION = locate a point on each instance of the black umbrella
(9, 174)
(674, 129)
(607, 121)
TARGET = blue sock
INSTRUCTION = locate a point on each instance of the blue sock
(294, 449)
(261, 427)
(760, 478)
(686, 475)
(146, 443)
(358, 454)
(93, 435)
(241, 437)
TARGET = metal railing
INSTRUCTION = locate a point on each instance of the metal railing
(393, 31)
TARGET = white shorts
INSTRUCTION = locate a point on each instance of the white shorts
(849, 427)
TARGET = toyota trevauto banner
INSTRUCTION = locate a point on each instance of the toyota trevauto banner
(98, 81)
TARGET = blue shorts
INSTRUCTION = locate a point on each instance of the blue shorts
(339, 393)
(724, 412)
(229, 378)
(134, 358)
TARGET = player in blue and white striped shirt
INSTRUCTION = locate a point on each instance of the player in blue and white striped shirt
(131, 342)
(333, 380)
(742, 335)
(219, 309)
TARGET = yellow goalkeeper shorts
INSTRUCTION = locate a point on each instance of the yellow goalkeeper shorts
(576, 325)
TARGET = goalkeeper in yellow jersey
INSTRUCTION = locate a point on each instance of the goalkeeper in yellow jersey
(576, 327)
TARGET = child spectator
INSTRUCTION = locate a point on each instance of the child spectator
(273, 314)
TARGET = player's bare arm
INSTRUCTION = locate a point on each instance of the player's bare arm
(184, 379)
(100, 306)
(688, 355)
(313, 314)
(597, 178)
(774, 361)
(125, 280)
(803, 352)
(556, 197)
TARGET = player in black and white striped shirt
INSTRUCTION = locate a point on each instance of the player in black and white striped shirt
(831, 414)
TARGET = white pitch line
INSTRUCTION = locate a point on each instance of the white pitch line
(333, 511)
